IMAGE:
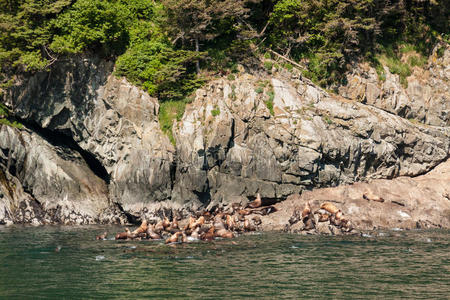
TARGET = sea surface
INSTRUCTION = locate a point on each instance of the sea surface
(63, 262)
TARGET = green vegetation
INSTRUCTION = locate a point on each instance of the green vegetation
(171, 47)
(231, 77)
(168, 112)
(268, 65)
(259, 90)
(269, 101)
(5, 120)
(215, 112)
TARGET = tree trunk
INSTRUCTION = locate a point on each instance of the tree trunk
(197, 49)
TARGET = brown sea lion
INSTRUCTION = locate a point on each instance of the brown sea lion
(223, 233)
(257, 220)
(256, 203)
(209, 236)
(369, 195)
(306, 210)
(330, 207)
(142, 228)
(248, 226)
(230, 223)
(195, 234)
(174, 237)
(335, 221)
(159, 227)
(166, 222)
(244, 212)
(218, 223)
(184, 237)
(125, 235)
(152, 234)
(190, 223)
(200, 221)
(309, 224)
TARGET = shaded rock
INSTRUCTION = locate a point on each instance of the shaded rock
(41, 183)
(112, 120)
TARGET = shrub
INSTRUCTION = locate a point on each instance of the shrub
(215, 112)
(268, 65)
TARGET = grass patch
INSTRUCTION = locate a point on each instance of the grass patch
(269, 102)
(268, 65)
(417, 61)
(328, 120)
(396, 66)
(169, 111)
(259, 90)
(288, 66)
(231, 77)
(215, 112)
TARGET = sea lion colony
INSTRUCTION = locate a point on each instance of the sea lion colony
(326, 219)
(236, 220)
(204, 225)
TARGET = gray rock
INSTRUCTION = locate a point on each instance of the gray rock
(42, 183)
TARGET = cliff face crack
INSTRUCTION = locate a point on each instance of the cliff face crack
(65, 141)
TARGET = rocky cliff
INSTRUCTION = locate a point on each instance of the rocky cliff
(92, 149)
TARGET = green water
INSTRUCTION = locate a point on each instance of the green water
(389, 264)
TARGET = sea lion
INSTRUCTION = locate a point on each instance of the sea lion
(195, 234)
(190, 224)
(323, 218)
(200, 221)
(309, 224)
(223, 233)
(218, 223)
(152, 234)
(244, 212)
(124, 235)
(142, 228)
(369, 195)
(230, 223)
(265, 210)
(256, 203)
(174, 224)
(306, 210)
(101, 236)
(166, 222)
(159, 227)
(330, 207)
(257, 220)
(209, 236)
(335, 221)
(174, 237)
(184, 238)
(248, 226)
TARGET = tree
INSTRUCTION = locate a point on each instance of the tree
(193, 21)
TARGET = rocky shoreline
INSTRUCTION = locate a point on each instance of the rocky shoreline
(91, 150)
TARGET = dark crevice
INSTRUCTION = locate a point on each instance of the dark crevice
(132, 219)
(64, 140)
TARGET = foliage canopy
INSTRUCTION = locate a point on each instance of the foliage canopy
(161, 45)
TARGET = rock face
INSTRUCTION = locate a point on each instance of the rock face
(114, 121)
(419, 202)
(425, 99)
(275, 135)
(44, 183)
(229, 145)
